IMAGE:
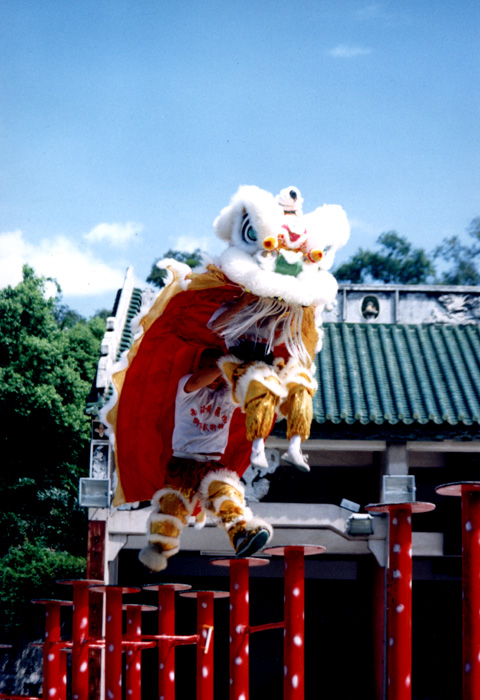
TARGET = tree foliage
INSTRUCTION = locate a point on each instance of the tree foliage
(46, 370)
(157, 276)
(397, 261)
(459, 260)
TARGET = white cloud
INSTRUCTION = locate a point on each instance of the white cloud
(13, 254)
(116, 234)
(348, 51)
(79, 272)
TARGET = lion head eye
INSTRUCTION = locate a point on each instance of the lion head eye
(249, 234)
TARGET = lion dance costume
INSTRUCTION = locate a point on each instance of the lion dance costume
(260, 305)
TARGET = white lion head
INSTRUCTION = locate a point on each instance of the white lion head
(277, 251)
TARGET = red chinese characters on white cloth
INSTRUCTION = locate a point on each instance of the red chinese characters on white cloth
(202, 420)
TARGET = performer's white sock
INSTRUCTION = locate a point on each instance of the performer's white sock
(295, 444)
(258, 457)
(294, 454)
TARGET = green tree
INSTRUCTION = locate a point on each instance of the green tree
(397, 261)
(461, 261)
(157, 276)
(46, 370)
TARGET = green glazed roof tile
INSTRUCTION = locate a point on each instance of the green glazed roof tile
(411, 374)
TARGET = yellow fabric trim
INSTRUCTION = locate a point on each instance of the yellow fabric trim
(260, 405)
(219, 488)
(118, 378)
(164, 527)
(207, 280)
(309, 331)
(171, 504)
(299, 412)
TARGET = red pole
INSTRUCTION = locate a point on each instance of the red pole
(113, 638)
(239, 622)
(471, 591)
(399, 595)
(470, 495)
(166, 626)
(133, 667)
(294, 612)
(294, 638)
(80, 633)
(205, 645)
(54, 685)
(399, 602)
(113, 644)
(205, 626)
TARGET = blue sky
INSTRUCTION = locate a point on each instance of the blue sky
(126, 125)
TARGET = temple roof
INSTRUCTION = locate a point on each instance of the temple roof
(393, 373)
(398, 362)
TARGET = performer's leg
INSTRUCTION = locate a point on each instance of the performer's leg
(222, 495)
(298, 408)
(255, 387)
(299, 419)
(171, 510)
(260, 409)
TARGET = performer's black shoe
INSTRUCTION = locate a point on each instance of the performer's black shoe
(250, 541)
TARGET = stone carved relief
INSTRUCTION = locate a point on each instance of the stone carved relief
(457, 308)
(256, 481)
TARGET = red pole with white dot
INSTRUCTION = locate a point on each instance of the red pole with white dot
(205, 646)
(470, 494)
(294, 611)
(399, 595)
(80, 633)
(54, 673)
(399, 604)
(239, 637)
(133, 666)
(205, 626)
(113, 638)
(166, 627)
(133, 634)
(239, 622)
(79, 640)
(294, 635)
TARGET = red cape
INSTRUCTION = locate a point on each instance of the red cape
(143, 418)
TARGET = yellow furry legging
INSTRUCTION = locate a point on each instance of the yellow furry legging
(220, 494)
(262, 390)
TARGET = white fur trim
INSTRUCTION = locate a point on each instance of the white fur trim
(285, 199)
(312, 286)
(200, 521)
(169, 491)
(328, 229)
(237, 362)
(264, 213)
(165, 539)
(218, 502)
(264, 374)
(245, 517)
(224, 475)
(294, 373)
(153, 559)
